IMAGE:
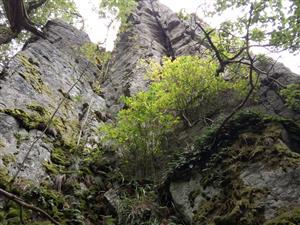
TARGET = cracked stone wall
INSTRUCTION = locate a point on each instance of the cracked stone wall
(41, 75)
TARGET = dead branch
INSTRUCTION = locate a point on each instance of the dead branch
(32, 5)
(84, 122)
(22, 203)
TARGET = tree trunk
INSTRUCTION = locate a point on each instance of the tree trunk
(18, 19)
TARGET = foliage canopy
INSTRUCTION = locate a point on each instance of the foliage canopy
(273, 23)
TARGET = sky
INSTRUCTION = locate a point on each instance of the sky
(97, 27)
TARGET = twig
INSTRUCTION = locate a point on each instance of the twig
(252, 86)
(22, 203)
(186, 119)
(84, 122)
(21, 215)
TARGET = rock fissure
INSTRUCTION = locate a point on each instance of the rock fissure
(166, 41)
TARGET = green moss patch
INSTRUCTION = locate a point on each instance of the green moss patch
(8, 158)
(2, 142)
(32, 75)
(4, 177)
(38, 119)
(289, 218)
(255, 132)
(247, 139)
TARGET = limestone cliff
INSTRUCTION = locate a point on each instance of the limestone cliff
(249, 176)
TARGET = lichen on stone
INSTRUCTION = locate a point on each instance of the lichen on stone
(2, 142)
(20, 137)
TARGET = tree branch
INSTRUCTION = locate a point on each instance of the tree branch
(252, 68)
(6, 34)
(214, 48)
(32, 5)
(22, 203)
(18, 19)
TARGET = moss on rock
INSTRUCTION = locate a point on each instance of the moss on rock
(2, 142)
(247, 139)
(4, 177)
(32, 74)
(289, 218)
(7, 159)
(39, 119)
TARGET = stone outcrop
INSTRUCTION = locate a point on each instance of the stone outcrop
(156, 32)
(31, 88)
(249, 176)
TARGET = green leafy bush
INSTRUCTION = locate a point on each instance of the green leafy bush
(94, 54)
(149, 116)
(291, 94)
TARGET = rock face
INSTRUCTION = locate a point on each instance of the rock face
(250, 176)
(156, 32)
(32, 86)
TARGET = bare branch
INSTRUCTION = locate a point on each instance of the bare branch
(32, 5)
(22, 203)
(84, 122)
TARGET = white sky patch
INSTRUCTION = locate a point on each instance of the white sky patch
(97, 27)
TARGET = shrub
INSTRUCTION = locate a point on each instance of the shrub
(151, 115)
(291, 94)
